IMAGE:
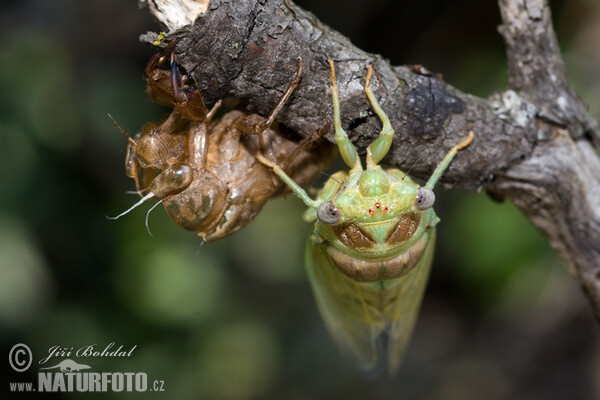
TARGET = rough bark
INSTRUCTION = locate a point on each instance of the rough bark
(534, 142)
(558, 185)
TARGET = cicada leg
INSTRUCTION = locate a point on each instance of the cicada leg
(305, 144)
(166, 86)
(197, 139)
(288, 181)
(158, 81)
(347, 149)
(288, 92)
(188, 100)
(446, 161)
(378, 148)
(330, 189)
(255, 125)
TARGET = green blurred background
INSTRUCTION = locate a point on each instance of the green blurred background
(502, 317)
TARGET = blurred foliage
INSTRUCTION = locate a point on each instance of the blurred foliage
(484, 271)
(45, 108)
(235, 319)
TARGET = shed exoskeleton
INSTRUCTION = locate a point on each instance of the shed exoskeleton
(204, 168)
(370, 252)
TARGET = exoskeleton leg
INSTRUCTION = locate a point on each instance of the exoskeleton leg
(189, 103)
(198, 138)
(168, 87)
(306, 143)
(250, 124)
(288, 92)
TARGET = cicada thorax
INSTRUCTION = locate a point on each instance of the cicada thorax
(168, 159)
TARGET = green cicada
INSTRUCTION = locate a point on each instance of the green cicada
(369, 255)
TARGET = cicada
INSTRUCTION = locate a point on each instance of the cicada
(204, 168)
(371, 249)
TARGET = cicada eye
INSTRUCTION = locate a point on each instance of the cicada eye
(328, 213)
(425, 199)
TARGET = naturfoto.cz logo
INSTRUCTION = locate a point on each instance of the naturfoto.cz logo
(71, 376)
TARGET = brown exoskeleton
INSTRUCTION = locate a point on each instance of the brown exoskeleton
(204, 169)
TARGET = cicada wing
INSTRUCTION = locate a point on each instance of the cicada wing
(404, 309)
(359, 315)
(351, 320)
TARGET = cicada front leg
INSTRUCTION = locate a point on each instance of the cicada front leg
(380, 147)
(347, 149)
(305, 145)
(168, 87)
(253, 124)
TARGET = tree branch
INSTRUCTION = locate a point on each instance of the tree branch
(558, 186)
(533, 144)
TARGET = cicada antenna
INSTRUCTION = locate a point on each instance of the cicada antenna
(411, 167)
(330, 176)
(127, 135)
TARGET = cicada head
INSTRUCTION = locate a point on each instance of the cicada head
(372, 220)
